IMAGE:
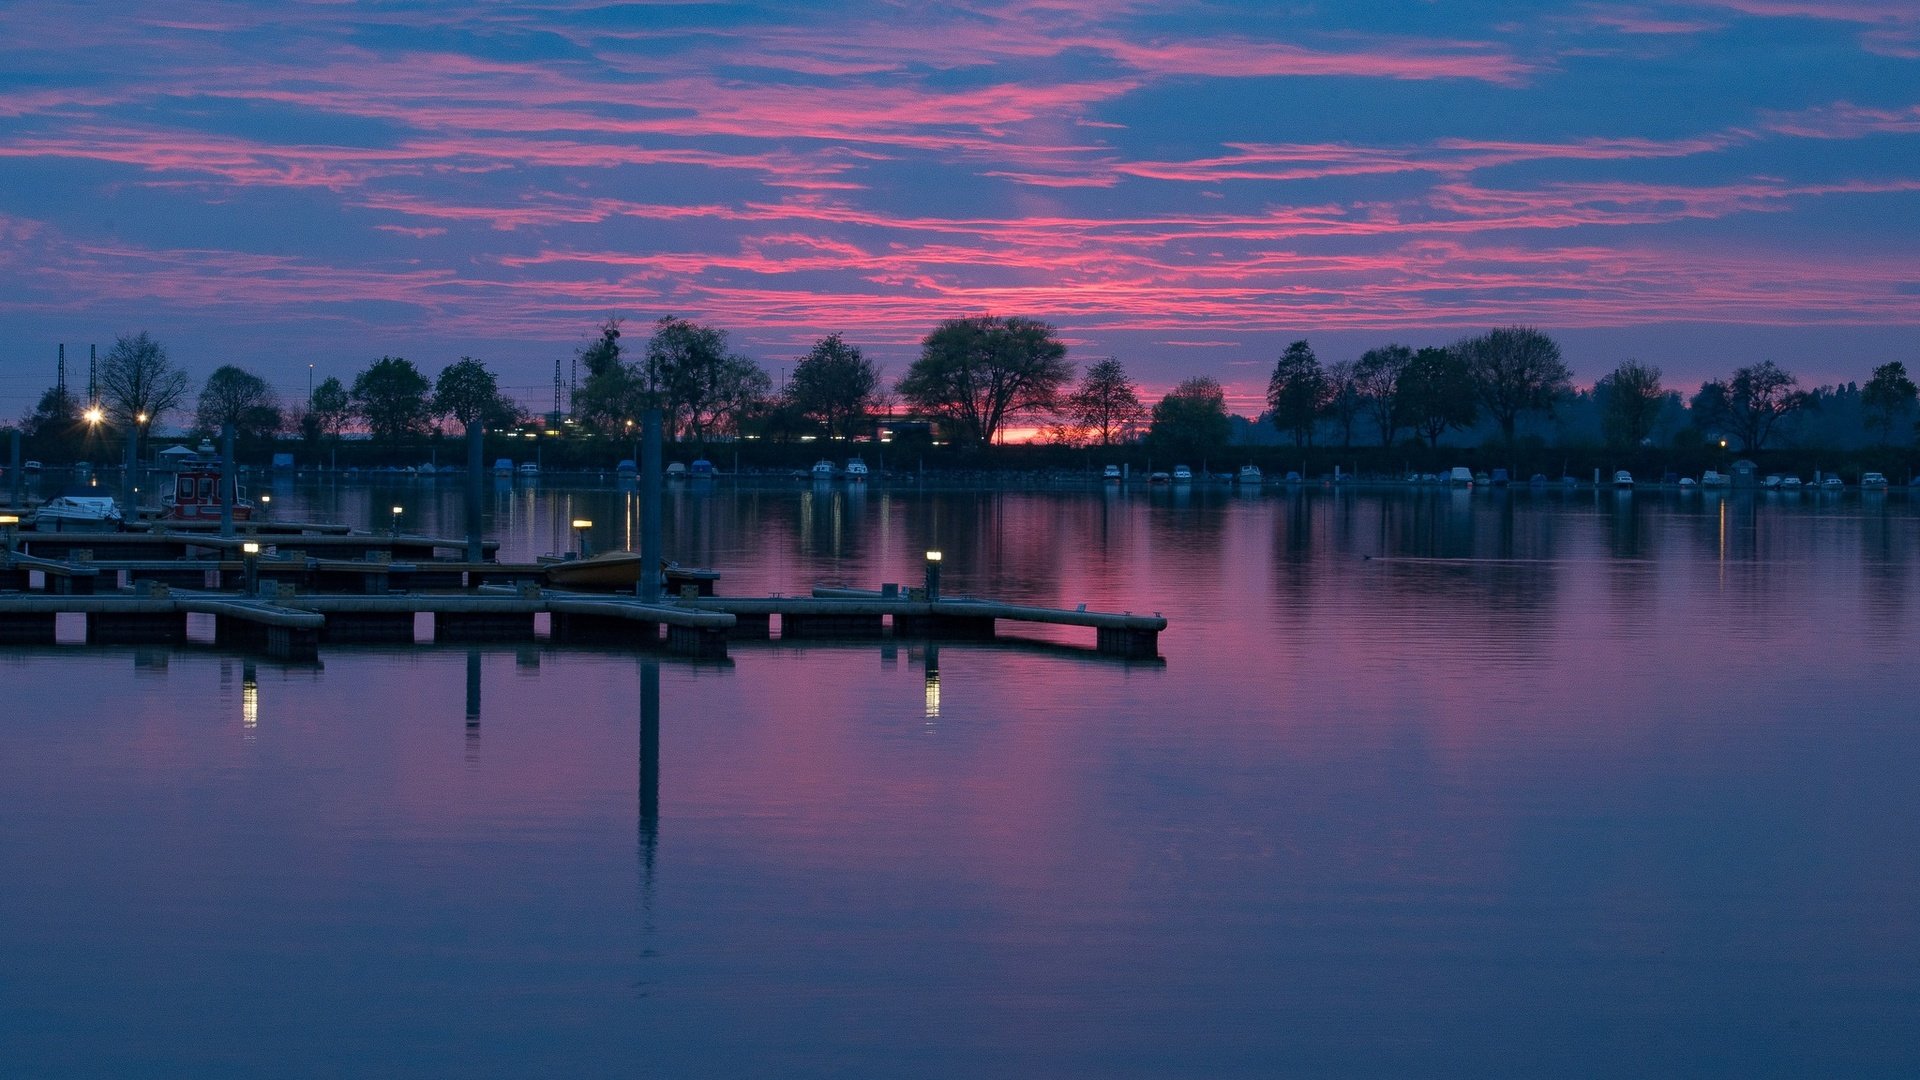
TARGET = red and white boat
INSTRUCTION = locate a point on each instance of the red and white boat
(196, 496)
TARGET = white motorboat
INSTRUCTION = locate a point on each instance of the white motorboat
(1712, 479)
(1873, 481)
(1111, 473)
(856, 469)
(823, 469)
(93, 513)
(1182, 474)
(1251, 476)
(1623, 479)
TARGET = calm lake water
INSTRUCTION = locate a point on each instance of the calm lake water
(1423, 784)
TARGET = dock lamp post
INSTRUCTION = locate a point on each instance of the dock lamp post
(396, 519)
(9, 522)
(250, 558)
(933, 576)
(580, 527)
(266, 507)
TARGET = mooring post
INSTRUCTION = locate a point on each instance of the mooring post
(647, 588)
(130, 508)
(476, 437)
(933, 576)
(228, 482)
(13, 473)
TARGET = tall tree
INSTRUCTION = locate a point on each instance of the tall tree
(1751, 404)
(1887, 397)
(329, 409)
(1298, 392)
(1435, 393)
(834, 385)
(736, 393)
(1106, 402)
(234, 395)
(52, 429)
(1516, 369)
(137, 380)
(975, 372)
(391, 396)
(1376, 379)
(611, 395)
(467, 392)
(1343, 398)
(1630, 399)
(696, 383)
(1191, 422)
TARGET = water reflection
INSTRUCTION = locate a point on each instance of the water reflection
(1417, 764)
(473, 706)
(649, 793)
(932, 681)
(249, 698)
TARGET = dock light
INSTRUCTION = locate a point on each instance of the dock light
(250, 552)
(580, 527)
(396, 520)
(250, 547)
(94, 415)
(266, 506)
(7, 523)
(933, 575)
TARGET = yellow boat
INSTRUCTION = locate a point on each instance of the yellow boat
(619, 571)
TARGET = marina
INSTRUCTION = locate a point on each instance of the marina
(286, 592)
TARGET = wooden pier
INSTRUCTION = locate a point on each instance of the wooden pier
(305, 590)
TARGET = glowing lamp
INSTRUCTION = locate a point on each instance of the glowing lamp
(250, 547)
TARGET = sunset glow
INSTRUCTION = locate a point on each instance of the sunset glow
(1184, 186)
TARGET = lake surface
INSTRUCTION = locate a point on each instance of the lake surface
(1425, 783)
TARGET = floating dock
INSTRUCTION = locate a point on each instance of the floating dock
(308, 591)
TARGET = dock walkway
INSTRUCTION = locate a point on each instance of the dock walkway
(290, 602)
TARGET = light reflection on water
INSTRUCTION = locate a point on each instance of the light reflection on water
(1524, 784)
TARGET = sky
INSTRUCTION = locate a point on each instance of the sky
(305, 187)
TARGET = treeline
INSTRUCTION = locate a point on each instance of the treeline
(140, 386)
(1507, 390)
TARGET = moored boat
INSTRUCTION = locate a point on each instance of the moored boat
(1250, 476)
(619, 571)
(856, 469)
(198, 495)
(77, 513)
(823, 469)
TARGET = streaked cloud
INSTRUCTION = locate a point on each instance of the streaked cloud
(1185, 179)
